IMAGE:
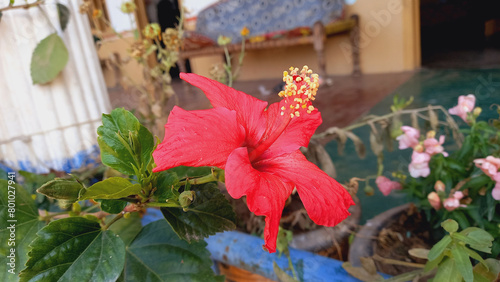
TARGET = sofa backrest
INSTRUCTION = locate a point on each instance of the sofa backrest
(228, 17)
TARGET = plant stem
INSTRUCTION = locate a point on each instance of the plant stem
(397, 262)
(115, 219)
(290, 265)
(163, 205)
(330, 131)
(23, 6)
(204, 179)
(228, 67)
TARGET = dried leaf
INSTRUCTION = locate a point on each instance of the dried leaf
(433, 119)
(414, 120)
(375, 140)
(358, 144)
(419, 253)
(361, 273)
(341, 139)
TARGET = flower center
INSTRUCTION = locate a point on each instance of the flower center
(299, 92)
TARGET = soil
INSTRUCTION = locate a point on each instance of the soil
(410, 230)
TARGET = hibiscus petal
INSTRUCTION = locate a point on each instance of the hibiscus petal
(266, 193)
(325, 200)
(198, 138)
(297, 134)
(249, 110)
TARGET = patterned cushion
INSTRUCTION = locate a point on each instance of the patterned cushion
(267, 18)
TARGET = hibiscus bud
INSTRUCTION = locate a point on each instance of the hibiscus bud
(439, 186)
(434, 200)
(186, 198)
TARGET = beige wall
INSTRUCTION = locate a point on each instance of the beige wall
(390, 42)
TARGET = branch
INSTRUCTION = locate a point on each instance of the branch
(24, 6)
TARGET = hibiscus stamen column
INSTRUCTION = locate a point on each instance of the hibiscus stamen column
(298, 94)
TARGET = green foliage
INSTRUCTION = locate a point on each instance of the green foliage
(26, 225)
(111, 188)
(126, 228)
(84, 252)
(157, 254)
(49, 59)
(208, 214)
(111, 206)
(451, 255)
(125, 144)
(63, 14)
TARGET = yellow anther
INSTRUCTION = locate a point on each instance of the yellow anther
(310, 108)
(283, 108)
(297, 114)
(304, 106)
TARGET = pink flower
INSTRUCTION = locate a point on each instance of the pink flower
(451, 203)
(419, 166)
(385, 185)
(458, 195)
(434, 200)
(496, 192)
(409, 139)
(490, 166)
(465, 105)
(258, 146)
(433, 146)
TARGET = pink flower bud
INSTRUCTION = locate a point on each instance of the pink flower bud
(385, 185)
(439, 186)
(434, 200)
(409, 139)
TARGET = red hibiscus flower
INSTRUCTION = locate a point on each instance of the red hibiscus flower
(259, 149)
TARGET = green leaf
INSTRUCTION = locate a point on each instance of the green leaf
(448, 272)
(487, 272)
(62, 189)
(187, 171)
(26, 226)
(63, 13)
(157, 254)
(125, 144)
(439, 248)
(462, 262)
(111, 188)
(450, 225)
(473, 242)
(208, 214)
(49, 59)
(431, 264)
(167, 185)
(282, 275)
(74, 249)
(112, 206)
(126, 228)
